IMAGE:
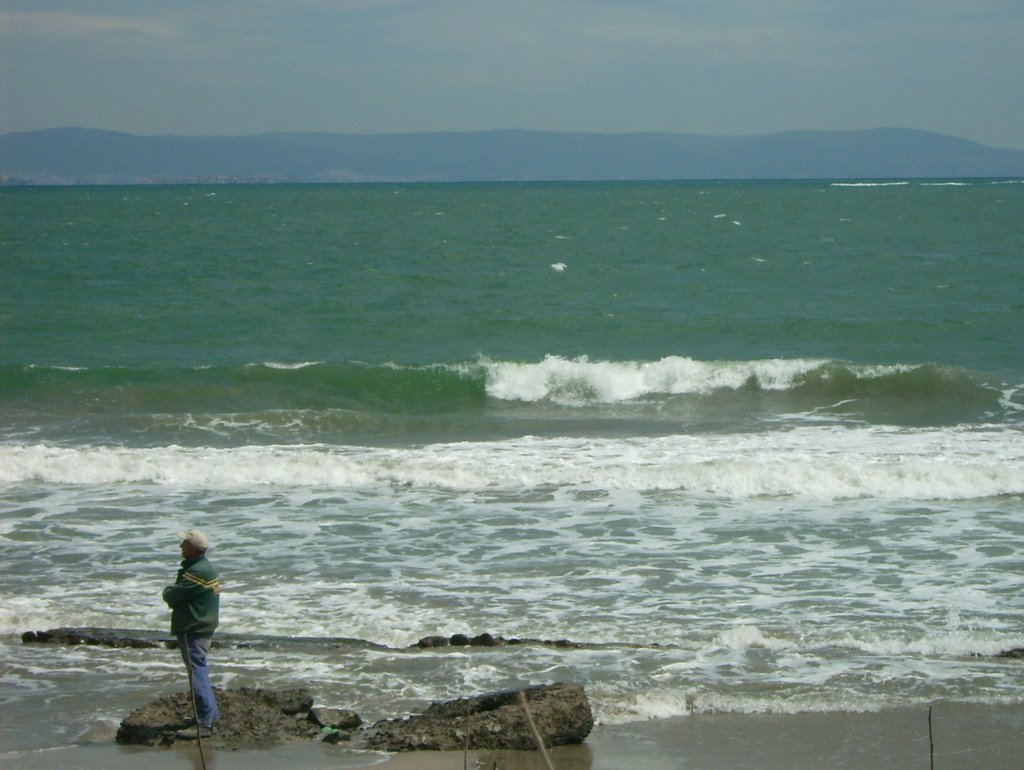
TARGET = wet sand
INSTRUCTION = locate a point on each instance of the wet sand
(964, 737)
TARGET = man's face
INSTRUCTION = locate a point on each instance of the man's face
(189, 551)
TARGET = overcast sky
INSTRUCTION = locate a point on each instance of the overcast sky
(358, 66)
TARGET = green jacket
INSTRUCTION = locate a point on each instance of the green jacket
(194, 598)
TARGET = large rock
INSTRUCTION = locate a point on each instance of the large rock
(561, 713)
(257, 718)
(248, 717)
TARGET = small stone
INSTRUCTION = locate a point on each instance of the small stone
(432, 641)
(328, 718)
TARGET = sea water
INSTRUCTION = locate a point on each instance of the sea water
(751, 447)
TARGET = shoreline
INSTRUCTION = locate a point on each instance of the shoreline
(987, 736)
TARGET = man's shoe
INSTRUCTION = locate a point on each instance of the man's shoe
(190, 734)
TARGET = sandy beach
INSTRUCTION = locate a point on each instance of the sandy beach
(964, 737)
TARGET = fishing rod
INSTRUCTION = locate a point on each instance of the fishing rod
(195, 708)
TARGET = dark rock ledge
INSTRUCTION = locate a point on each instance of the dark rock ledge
(130, 637)
(140, 638)
(107, 637)
(255, 718)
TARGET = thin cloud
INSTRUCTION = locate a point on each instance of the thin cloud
(58, 25)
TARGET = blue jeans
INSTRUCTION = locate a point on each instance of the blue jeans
(194, 650)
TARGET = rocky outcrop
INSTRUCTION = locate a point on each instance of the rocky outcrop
(256, 718)
(249, 717)
(560, 712)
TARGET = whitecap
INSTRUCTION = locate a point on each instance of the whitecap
(870, 184)
(288, 365)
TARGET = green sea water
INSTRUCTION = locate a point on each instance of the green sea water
(757, 446)
(179, 276)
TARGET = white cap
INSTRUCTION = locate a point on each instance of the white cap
(195, 537)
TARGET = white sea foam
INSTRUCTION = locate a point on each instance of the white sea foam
(1009, 399)
(618, 708)
(955, 643)
(822, 462)
(693, 605)
(746, 637)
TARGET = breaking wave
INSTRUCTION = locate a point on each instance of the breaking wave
(454, 386)
(817, 462)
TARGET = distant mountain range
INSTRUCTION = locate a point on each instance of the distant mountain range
(89, 156)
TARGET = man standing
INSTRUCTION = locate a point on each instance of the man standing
(194, 600)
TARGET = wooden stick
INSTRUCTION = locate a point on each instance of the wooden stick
(931, 742)
(195, 708)
(465, 748)
(536, 732)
